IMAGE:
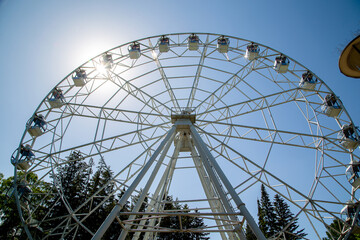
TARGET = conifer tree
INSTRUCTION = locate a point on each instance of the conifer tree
(100, 189)
(334, 231)
(72, 181)
(142, 208)
(78, 185)
(266, 214)
(274, 217)
(187, 223)
(249, 233)
(285, 220)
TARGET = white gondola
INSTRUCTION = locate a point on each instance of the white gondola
(252, 51)
(281, 64)
(352, 174)
(348, 138)
(331, 106)
(56, 103)
(223, 44)
(35, 131)
(36, 126)
(57, 98)
(25, 158)
(164, 44)
(106, 61)
(134, 51)
(193, 42)
(308, 81)
(79, 77)
(349, 214)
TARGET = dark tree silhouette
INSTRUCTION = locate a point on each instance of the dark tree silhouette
(275, 219)
(9, 217)
(249, 234)
(10, 223)
(71, 181)
(101, 189)
(78, 185)
(187, 223)
(92, 195)
(334, 231)
(266, 214)
(285, 220)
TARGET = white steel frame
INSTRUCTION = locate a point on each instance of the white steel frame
(238, 105)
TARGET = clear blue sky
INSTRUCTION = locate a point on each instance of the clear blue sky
(43, 41)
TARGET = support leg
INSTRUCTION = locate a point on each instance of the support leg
(136, 208)
(110, 218)
(211, 162)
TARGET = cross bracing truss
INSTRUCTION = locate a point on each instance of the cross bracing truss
(259, 125)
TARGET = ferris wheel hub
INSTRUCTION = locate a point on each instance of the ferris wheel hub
(182, 114)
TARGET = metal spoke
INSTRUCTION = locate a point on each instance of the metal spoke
(236, 121)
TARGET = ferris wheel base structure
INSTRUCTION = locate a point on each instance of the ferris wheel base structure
(187, 136)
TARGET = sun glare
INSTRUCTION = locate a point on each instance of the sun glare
(100, 68)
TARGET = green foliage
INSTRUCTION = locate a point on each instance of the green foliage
(100, 188)
(186, 223)
(10, 224)
(266, 214)
(76, 183)
(79, 185)
(335, 229)
(101, 185)
(8, 212)
(76, 189)
(249, 234)
(71, 181)
(275, 219)
(286, 220)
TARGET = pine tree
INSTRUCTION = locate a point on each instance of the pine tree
(72, 179)
(142, 208)
(144, 204)
(77, 184)
(276, 219)
(334, 231)
(266, 214)
(100, 188)
(249, 233)
(174, 223)
(286, 219)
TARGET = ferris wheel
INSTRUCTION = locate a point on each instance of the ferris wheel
(205, 118)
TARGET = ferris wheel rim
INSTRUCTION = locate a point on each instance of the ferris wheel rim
(154, 37)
